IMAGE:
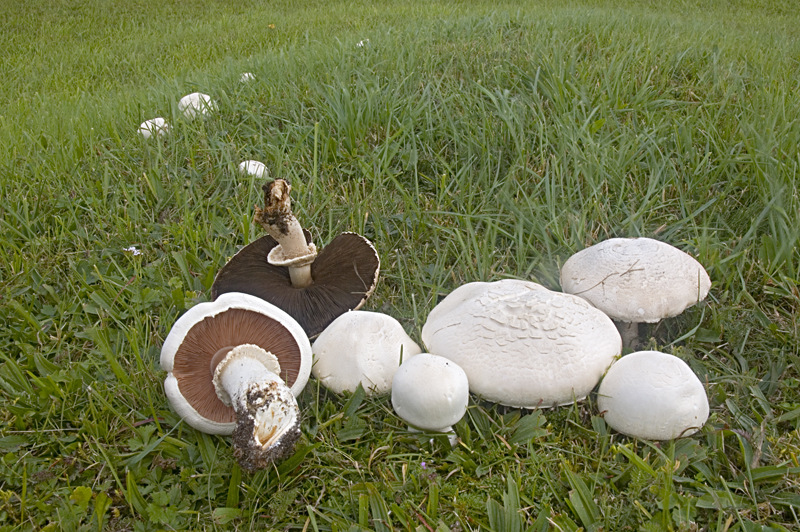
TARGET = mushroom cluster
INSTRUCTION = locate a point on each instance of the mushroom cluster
(235, 365)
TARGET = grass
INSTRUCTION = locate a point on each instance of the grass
(469, 143)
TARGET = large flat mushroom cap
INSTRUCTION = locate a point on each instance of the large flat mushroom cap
(521, 344)
(636, 280)
(209, 328)
(654, 396)
(344, 275)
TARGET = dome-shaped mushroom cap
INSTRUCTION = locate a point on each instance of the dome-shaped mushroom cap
(155, 126)
(654, 396)
(430, 392)
(636, 279)
(521, 344)
(195, 104)
(361, 347)
(208, 328)
(254, 168)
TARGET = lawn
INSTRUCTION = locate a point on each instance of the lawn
(469, 142)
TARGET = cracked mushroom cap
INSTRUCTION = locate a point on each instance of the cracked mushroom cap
(521, 344)
(202, 337)
(636, 280)
(344, 275)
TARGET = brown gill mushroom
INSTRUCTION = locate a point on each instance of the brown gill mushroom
(234, 367)
(284, 268)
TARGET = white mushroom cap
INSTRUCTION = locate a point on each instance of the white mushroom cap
(364, 348)
(654, 396)
(521, 344)
(195, 104)
(185, 358)
(247, 76)
(155, 126)
(430, 392)
(636, 280)
(254, 168)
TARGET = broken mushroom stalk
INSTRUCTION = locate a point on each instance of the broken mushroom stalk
(267, 416)
(277, 219)
(285, 269)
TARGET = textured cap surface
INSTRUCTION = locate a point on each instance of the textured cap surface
(636, 279)
(654, 396)
(344, 275)
(521, 344)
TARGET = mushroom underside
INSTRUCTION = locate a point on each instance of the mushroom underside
(341, 283)
(192, 365)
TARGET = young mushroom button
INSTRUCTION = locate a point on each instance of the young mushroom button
(285, 269)
(654, 396)
(430, 392)
(635, 280)
(234, 366)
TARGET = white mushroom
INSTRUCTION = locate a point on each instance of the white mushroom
(430, 392)
(234, 366)
(654, 396)
(195, 104)
(254, 168)
(247, 76)
(635, 280)
(155, 126)
(521, 344)
(364, 348)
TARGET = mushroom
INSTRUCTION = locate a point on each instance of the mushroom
(285, 269)
(234, 366)
(523, 345)
(652, 395)
(247, 76)
(196, 103)
(155, 126)
(430, 393)
(364, 348)
(254, 168)
(635, 280)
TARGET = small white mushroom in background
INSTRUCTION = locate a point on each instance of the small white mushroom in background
(652, 395)
(635, 280)
(364, 348)
(195, 104)
(521, 344)
(247, 76)
(155, 126)
(234, 366)
(254, 168)
(430, 393)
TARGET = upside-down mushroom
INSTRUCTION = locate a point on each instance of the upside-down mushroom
(285, 269)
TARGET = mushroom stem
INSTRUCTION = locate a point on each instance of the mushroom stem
(277, 219)
(267, 415)
(452, 437)
(629, 332)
